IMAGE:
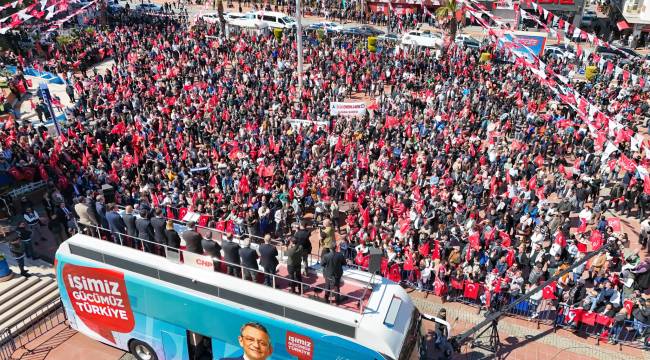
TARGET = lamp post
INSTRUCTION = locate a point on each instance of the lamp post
(299, 46)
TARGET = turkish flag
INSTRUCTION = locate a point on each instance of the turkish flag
(404, 225)
(409, 264)
(615, 223)
(604, 320)
(471, 290)
(456, 284)
(548, 293)
(436, 250)
(575, 315)
(560, 239)
(474, 240)
(583, 226)
(510, 257)
(588, 318)
(596, 240)
(391, 121)
(489, 236)
(505, 239)
(203, 220)
(628, 305)
(532, 183)
(627, 163)
(424, 249)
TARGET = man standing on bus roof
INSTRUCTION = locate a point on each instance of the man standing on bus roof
(302, 239)
(294, 257)
(158, 224)
(268, 259)
(231, 255)
(255, 341)
(249, 260)
(333, 271)
(115, 223)
(192, 239)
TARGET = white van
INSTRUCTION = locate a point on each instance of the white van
(275, 19)
(422, 38)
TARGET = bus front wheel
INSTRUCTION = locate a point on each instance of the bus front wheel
(142, 350)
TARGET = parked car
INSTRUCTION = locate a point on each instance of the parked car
(148, 7)
(275, 20)
(362, 30)
(211, 17)
(234, 16)
(557, 53)
(467, 41)
(610, 50)
(588, 18)
(388, 37)
(327, 26)
(422, 38)
(116, 6)
(563, 47)
(629, 53)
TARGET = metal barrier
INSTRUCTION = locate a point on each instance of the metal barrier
(29, 329)
(215, 234)
(219, 265)
(631, 333)
(7, 345)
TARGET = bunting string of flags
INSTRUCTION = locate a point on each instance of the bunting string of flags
(555, 24)
(608, 132)
(41, 10)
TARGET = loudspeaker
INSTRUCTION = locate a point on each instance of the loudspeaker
(109, 193)
(374, 260)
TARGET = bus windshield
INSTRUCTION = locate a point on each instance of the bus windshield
(410, 348)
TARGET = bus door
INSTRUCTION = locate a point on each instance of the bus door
(433, 344)
(199, 346)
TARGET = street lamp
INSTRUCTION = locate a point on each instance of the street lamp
(299, 46)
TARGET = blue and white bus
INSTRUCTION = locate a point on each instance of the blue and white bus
(161, 308)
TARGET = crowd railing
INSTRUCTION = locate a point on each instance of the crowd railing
(281, 242)
(218, 264)
(624, 332)
(540, 311)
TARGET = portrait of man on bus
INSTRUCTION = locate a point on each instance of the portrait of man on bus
(255, 341)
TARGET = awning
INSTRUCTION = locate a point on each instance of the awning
(622, 25)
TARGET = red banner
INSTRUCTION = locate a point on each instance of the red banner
(99, 299)
(300, 346)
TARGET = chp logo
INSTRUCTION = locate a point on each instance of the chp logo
(99, 299)
(300, 346)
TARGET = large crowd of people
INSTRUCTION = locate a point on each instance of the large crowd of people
(459, 170)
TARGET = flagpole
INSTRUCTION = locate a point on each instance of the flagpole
(299, 46)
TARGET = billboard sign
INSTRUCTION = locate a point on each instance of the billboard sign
(527, 43)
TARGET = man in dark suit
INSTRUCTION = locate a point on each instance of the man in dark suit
(333, 271)
(231, 255)
(192, 239)
(268, 259)
(145, 231)
(302, 239)
(211, 247)
(249, 261)
(129, 221)
(101, 211)
(115, 223)
(158, 224)
(255, 341)
(294, 257)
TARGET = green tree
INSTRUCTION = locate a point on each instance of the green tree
(449, 13)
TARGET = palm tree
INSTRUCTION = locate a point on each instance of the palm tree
(449, 11)
(222, 20)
